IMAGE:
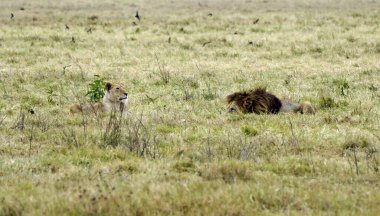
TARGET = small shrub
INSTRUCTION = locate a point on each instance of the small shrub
(184, 166)
(2, 118)
(350, 145)
(296, 50)
(316, 49)
(186, 46)
(96, 89)
(228, 171)
(70, 138)
(186, 86)
(257, 30)
(11, 207)
(351, 39)
(242, 149)
(140, 138)
(112, 136)
(326, 102)
(20, 121)
(126, 167)
(371, 158)
(163, 73)
(288, 79)
(295, 167)
(209, 93)
(356, 14)
(362, 143)
(93, 18)
(249, 130)
(359, 151)
(343, 88)
(51, 95)
(165, 128)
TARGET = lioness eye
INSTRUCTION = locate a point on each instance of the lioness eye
(117, 88)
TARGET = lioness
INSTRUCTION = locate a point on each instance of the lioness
(260, 101)
(115, 99)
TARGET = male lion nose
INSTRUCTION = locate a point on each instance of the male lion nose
(231, 110)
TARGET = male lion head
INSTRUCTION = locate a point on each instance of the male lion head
(115, 93)
(233, 106)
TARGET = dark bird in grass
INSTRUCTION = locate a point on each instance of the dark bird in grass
(256, 21)
(67, 27)
(31, 111)
(72, 39)
(21, 8)
(209, 14)
(12, 15)
(137, 16)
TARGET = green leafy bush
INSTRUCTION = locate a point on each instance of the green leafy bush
(249, 130)
(96, 89)
(51, 95)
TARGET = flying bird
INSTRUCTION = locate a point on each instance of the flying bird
(256, 21)
(137, 16)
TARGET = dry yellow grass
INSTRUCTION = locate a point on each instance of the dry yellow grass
(179, 152)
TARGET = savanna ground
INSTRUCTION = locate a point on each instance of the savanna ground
(178, 152)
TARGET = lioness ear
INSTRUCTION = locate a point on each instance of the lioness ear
(108, 86)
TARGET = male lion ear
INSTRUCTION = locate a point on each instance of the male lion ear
(108, 86)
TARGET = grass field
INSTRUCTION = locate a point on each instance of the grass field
(179, 152)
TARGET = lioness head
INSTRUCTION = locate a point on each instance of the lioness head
(115, 93)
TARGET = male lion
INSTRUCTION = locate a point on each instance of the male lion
(115, 99)
(260, 101)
